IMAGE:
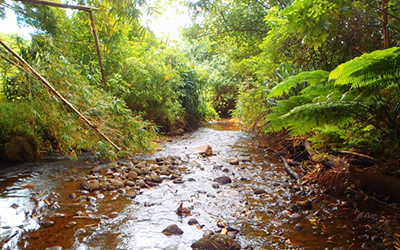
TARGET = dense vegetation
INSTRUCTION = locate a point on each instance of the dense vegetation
(151, 89)
(325, 70)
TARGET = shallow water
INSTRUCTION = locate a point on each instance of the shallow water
(38, 210)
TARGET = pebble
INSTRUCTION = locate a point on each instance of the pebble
(298, 227)
(259, 191)
(131, 194)
(48, 223)
(223, 180)
(193, 221)
(178, 181)
(234, 162)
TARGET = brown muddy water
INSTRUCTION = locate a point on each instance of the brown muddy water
(43, 207)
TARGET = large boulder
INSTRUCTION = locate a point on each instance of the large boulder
(216, 242)
(203, 150)
(20, 149)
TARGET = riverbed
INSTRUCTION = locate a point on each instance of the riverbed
(43, 205)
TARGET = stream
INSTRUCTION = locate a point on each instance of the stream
(43, 204)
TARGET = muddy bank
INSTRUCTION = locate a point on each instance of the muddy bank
(239, 189)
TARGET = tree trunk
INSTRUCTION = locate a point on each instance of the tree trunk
(385, 30)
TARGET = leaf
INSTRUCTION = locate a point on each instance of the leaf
(310, 77)
(379, 68)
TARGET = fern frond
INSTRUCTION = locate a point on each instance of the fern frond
(309, 77)
(379, 68)
(305, 118)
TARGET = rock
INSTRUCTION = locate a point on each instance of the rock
(172, 230)
(92, 185)
(223, 180)
(183, 211)
(131, 194)
(156, 178)
(259, 191)
(298, 227)
(145, 170)
(141, 164)
(132, 175)
(216, 242)
(19, 149)
(195, 164)
(95, 170)
(48, 223)
(193, 221)
(178, 180)
(142, 184)
(215, 185)
(117, 183)
(306, 204)
(112, 166)
(246, 159)
(179, 131)
(293, 208)
(234, 162)
(130, 183)
(137, 170)
(165, 171)
(203, 150)
(295, 216)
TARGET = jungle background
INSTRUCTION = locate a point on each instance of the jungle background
(323, 71)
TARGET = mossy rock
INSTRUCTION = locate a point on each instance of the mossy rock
(20, 149)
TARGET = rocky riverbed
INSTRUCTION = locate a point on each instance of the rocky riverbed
(212, 189)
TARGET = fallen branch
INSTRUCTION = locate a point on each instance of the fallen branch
(290, 170)
(52, 89)
(357, 154)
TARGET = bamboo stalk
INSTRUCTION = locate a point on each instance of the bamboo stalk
(96, 40)
(93, 27)
(59, 5)
(52, 89)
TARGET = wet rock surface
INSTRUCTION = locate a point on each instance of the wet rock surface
(172, 230)
(127, 204)
(216, 242)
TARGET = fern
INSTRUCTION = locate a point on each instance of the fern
(379, 68)
(305, 118)
(311, 78)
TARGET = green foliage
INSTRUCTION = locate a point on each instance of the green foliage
(310, 78)
(357, 109)
(253, 106)
(16, 119)
(377, 69)
(310, 20)
(56, 127)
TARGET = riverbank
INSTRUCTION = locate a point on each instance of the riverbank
(259, 202)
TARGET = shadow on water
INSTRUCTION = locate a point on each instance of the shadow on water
(41, 205)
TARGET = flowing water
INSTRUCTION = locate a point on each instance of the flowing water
(41, 205)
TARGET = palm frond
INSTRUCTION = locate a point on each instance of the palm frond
(379, 68)
(309, 77)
